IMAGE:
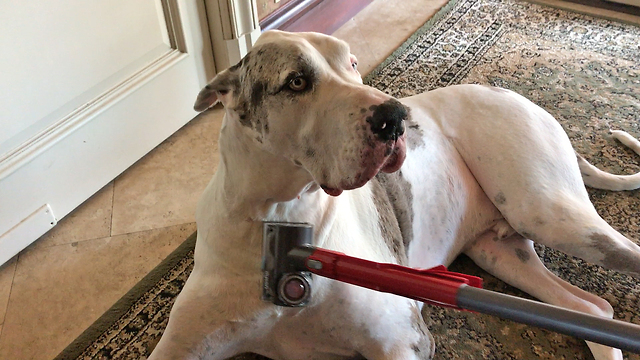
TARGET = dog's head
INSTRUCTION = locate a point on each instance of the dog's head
(300, 96)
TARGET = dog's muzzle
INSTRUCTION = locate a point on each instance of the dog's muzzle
(386, 148)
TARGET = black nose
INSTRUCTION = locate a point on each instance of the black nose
(387, 120)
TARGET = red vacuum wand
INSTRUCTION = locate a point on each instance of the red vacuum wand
(289, 259)
(435, 286)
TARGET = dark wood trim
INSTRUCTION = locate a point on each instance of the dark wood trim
(608, 5)
(327, 16)
(287, 14)
(324, 16)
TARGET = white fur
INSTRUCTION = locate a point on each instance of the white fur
(491, 170)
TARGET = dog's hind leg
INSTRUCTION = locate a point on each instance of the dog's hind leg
(542, 196)
(570, 223)
(514, 261)
(525, 163)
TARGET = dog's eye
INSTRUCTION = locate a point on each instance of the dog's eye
(354, 65)
(298, 84)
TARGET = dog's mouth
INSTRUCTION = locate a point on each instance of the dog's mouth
(388, 158)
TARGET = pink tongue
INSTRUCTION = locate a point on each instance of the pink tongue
(331, 191)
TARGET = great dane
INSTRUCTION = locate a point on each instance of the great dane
(417, 181)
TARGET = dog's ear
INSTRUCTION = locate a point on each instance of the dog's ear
(221, 88)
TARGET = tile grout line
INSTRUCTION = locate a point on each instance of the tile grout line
(156, 228)
(113, 199)
(111, 236)
(13, 277)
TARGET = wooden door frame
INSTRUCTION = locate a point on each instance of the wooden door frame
(234, 28)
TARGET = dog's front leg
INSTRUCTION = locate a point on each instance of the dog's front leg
(400, 352)
(207, 322)
(407, 339)
(194, 333)
(183, 342)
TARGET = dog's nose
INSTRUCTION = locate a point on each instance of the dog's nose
(387, 120)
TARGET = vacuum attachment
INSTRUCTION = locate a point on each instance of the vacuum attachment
(289, 259)
(286, 282)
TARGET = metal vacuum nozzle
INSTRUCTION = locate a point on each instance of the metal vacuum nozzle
(286, 280)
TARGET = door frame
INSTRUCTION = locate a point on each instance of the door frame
(234, 28)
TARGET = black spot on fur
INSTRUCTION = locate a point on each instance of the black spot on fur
(398, 193)
(388, 222)
(616, 257)
(500, 199)
(258, 92)
(310, 153)
(414, 134)
(523, 255)
(244, 120)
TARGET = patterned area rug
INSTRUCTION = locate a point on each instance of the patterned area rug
(585, 71)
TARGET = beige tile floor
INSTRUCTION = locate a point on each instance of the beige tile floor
(53, 290)
(56, 288)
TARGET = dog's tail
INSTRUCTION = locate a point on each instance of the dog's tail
(596, 178)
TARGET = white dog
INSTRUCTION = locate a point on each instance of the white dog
(465, 169)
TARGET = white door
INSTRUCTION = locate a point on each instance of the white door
(86, 89)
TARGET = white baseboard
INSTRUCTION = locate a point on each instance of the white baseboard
(70, 161)
(32, 227)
